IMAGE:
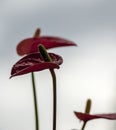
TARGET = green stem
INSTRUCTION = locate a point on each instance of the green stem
(35, 102)
(84, 124)
(54, 98)
(47, 58)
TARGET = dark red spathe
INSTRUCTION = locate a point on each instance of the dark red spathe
(34, 62)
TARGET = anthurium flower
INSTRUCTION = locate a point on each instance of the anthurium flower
(34, 62)
(87, 117)
(30, 45)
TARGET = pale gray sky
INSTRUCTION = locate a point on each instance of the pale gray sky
(88, 71)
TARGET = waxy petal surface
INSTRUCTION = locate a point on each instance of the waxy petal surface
(30, 45)
(86, 117)
(34, 62)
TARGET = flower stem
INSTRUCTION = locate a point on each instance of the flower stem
(36, 35)
(35, 101)
(84, 124)
(54, 98)
(47, 58)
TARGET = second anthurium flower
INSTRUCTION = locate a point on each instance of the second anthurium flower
(35, 62)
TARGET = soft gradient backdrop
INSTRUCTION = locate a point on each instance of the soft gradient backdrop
(88, 71)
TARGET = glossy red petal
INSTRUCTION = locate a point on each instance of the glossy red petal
(34, 62)
(86, 117)
(30, 45)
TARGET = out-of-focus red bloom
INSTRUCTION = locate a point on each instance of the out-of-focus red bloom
(30, 45)
(87, 117)
(35, 62)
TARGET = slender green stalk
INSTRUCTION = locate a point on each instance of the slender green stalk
(83, 126)
(47, 58)
(35, 102)
(54, 98)
(36, 35)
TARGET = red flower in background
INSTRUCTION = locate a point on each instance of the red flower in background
(87, 117)
(35, 62)
(30, 45)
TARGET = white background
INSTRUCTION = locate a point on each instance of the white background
(88, 71)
